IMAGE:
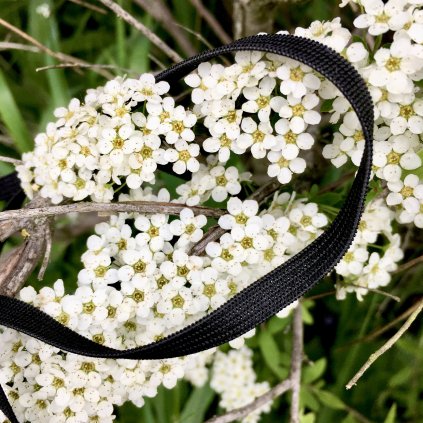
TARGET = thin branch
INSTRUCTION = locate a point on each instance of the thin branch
(158, 42)
(386, 346)
(89, 6)
(5, 45)
(147, 207)
(296, 362)
(212, 21)
(242, 412)
(10, 160)
(161, 13)
(409, 264)
(16, 270)
(47, 252)
(57, 55)
(199, 37)
(85, 66)
(378, 291)
(341, 181)
(215, 232)
(382, 330)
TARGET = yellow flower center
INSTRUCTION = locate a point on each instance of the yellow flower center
(296, 74)
(393, 64)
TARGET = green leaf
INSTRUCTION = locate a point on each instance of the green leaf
(330, 400)
(327, 105)
(308, 418)
(392, 415)
(308, 399)
(276, 324)
(307, 316)
(314, 371)
(197, 405)
(271, 354)
(12, 118)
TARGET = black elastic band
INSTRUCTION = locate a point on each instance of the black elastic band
(272, 292)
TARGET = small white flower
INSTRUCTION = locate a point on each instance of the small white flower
(183, 157)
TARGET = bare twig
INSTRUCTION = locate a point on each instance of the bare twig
(253, 16)
(5, 45)
(161, 13)
(147, 207)
(89, 6)
(242, 412)
(382, 330)
(341, 181)
(414, 262)
(378, 291)
(85, 66)
(215, 232)
(47, 252)
(212, 21)
(24, 259)
(10, 160)
(57, 55)
(296, 362)
(158, 42)
(386, 346)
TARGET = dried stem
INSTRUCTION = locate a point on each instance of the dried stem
(127, 17)
(10, 160)
(212, 21)
(16, 270)
(161, 13)
(89, 6)
(242, 412)
(47, 252)
(410, 264)
(5, 45)
(57, 55)
(253, 16)
(85, 66)
(382, 330)
(386, 346)
(296, 362)
(215, 232)
(147, 207)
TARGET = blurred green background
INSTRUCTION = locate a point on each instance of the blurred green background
(337, 332)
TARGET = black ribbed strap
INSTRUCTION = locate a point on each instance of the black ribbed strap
(272, 292)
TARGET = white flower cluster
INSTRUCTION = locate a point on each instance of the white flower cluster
(140, 283)
(263, 104)
(393, 74)
(233, 377)
(372, 258)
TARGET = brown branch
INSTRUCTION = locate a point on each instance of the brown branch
(212, 21)
(147, 207)
(22, 261)
(386, 346)
(47, 252)
(56, 54)
(253, 16)
(414, 262)
(215, 232)
(5, 45)
(161, 13)
(332, 186)
(242, 412)
(86, 66)
(127, 17)
(382, 330)
(10, 160)
(296, 362)
(89, 6)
